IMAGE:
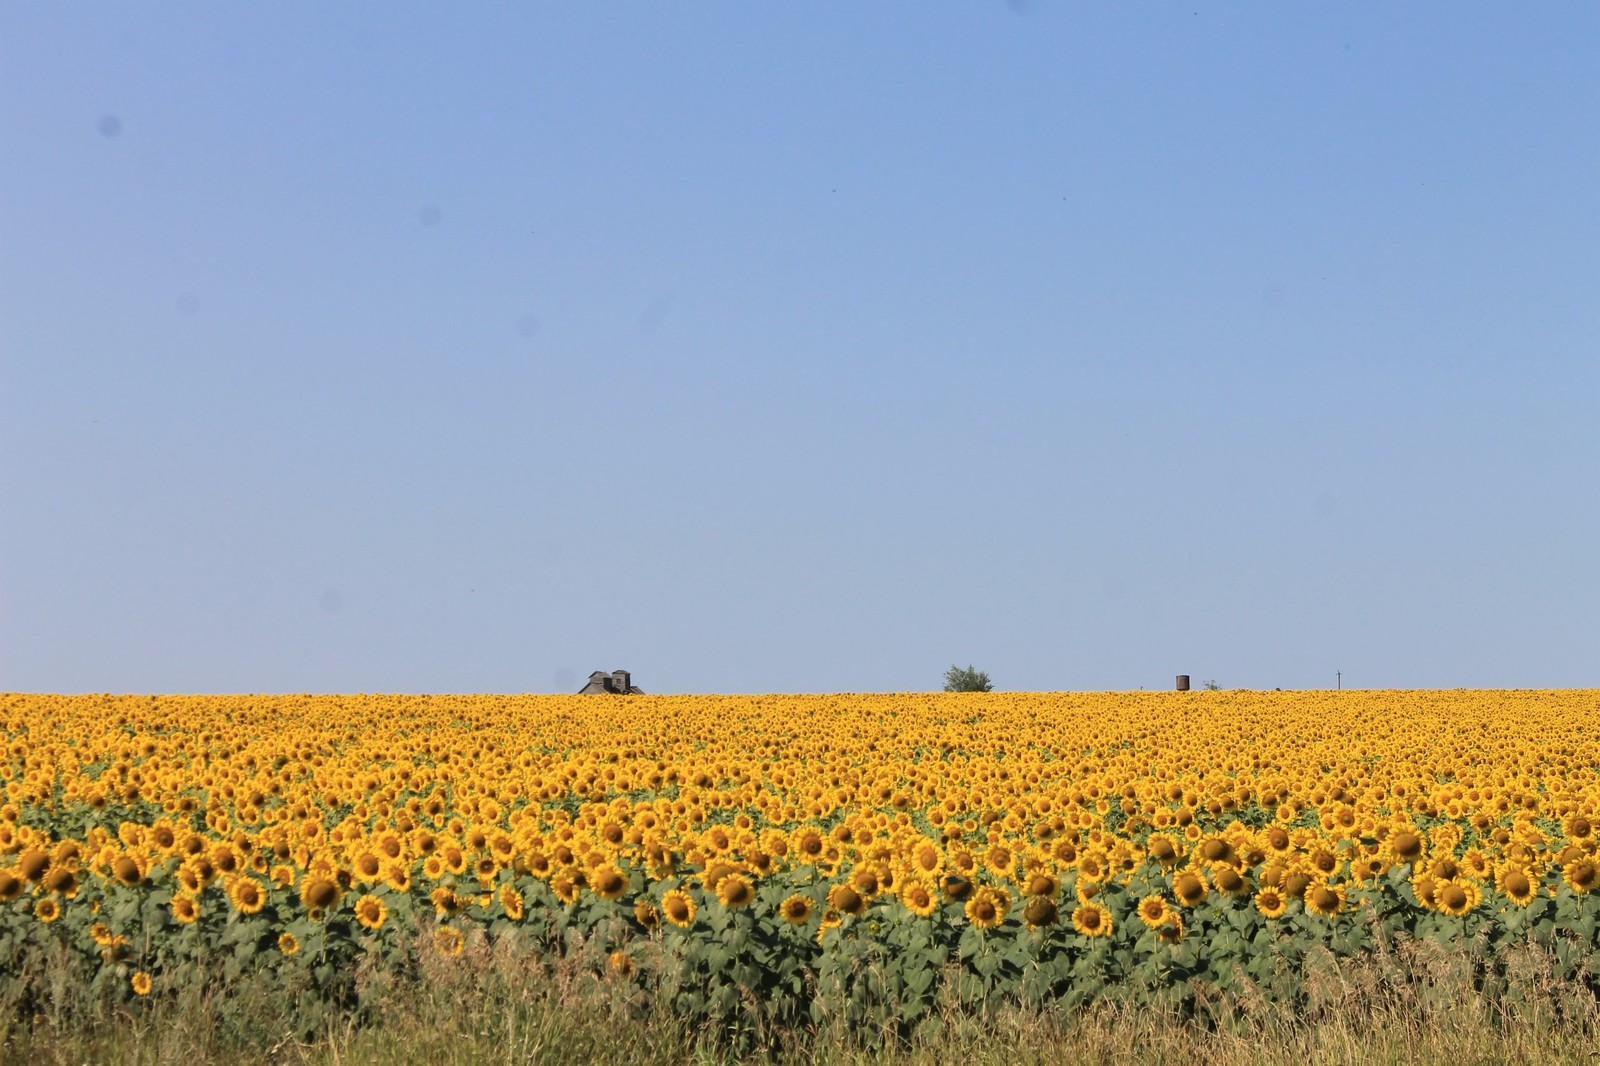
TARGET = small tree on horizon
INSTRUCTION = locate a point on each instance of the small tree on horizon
(968, 680)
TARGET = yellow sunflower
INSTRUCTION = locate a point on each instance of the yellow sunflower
(1457, 897)
(128, 870)
(1091, 919)
(608, 881)
(1042, 884)
(564, 886)
(140, 982)
(1579, 828)
(919, 897)
(1271, 902)
(958, 888)
(646, 914)
(1214, 848)
(1516, 885)
(1041, 912)
(321, 893)
(926, 859)
(808, 843)
(735, 891)
(185, 909)
(1190, 888)
(1153, 911)
(1230, 882)
(397, 875)
(371, 911)
(678, 908)
(1323, 899)
(1164, 848)
(987, 907)
(864, 879)
(797, 909)
(846, 900)
(1406, 846)
(247, 895)
(448, 939)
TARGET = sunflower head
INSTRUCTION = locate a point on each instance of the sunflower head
(958, 888)
(1406, 845)
(448, 939)
(321, 893)
(987, 907)
(1271, 902)
(62, 879)
(371, 912)
(1323, 899)
(796, 909)
(677, 906)
(1153, 911)
(1041, 912)
(1457, 897)
(846, 900)
(1215, 849)
(185, 909)
(926, 858)
(1042, 884)
(608, 881)
(247, 895)
(646, 914)
(1091, 919)
(1581, 876)
(32, 863)
(735, 891)
(446, 904)
(1516, 885)
(1164, 848)
(1230, 882)
(126, 869)
(1190, 888)
(864, 879)
(919, 898)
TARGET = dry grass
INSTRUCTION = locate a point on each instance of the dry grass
(1417, 1005)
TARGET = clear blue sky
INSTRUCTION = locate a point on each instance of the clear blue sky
(758, 347)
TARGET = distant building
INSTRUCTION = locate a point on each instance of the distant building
(616, 683)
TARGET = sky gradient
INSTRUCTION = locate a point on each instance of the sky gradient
(798, 348)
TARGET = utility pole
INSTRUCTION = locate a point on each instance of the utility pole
(1338, 679)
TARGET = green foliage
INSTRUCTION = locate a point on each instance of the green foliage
(968, 680)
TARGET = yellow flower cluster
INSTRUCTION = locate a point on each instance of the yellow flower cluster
(997, 802)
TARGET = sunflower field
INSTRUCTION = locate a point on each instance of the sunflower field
(758, 862)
